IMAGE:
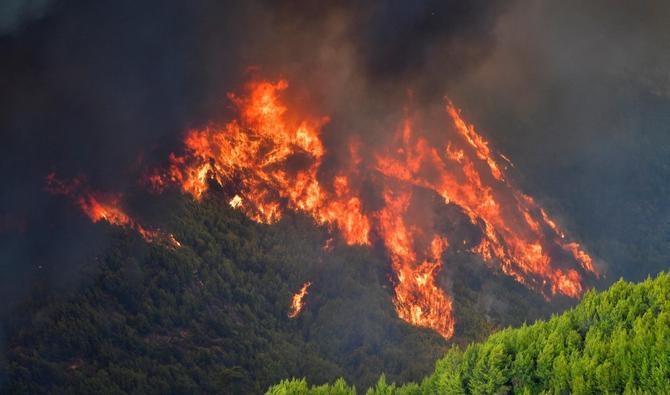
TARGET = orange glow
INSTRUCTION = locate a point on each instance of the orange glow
(105, 207)
(272, 154)
(297, 302)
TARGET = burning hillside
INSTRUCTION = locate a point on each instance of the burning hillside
(273, 155)
(105, 207)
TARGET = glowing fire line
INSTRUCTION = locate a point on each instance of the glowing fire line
(105, 207)
(257, 152)
(297, 302)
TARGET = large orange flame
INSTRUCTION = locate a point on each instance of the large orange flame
(105, 207)
(418, 300)
(297, 302)
(257, 150)
(273, 157)
(516, 231)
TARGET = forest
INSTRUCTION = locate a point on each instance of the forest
(212, 316)
(613, 342)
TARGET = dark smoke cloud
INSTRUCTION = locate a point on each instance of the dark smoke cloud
(397, 45)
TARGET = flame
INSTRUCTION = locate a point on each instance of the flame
(105, 207)
(297, 302)
(418, 300)
(515, 230)
(236, 201)
(257, 148)
(273, 156)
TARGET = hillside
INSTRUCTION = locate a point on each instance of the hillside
(211, 316)
(617, 341)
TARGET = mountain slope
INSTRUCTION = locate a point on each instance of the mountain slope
(211, 316)
(617, 341)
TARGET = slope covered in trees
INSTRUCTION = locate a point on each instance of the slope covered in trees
(614, 342)
(211, 316)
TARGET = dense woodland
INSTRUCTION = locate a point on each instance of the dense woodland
(615, 342)
(212, 315)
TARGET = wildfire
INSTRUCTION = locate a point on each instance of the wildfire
(104, 207)
(297, 303)
(273, 155)
(258, 149)
(515, 230)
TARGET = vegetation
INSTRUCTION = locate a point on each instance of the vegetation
(211, 317)
(614, 342)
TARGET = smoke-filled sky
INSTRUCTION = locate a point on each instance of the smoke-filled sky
(576, 93)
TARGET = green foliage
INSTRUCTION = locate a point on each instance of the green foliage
(300, 387)
(614, 342)
(212, 316)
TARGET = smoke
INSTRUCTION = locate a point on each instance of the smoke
(15, 13)
(582, 61)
